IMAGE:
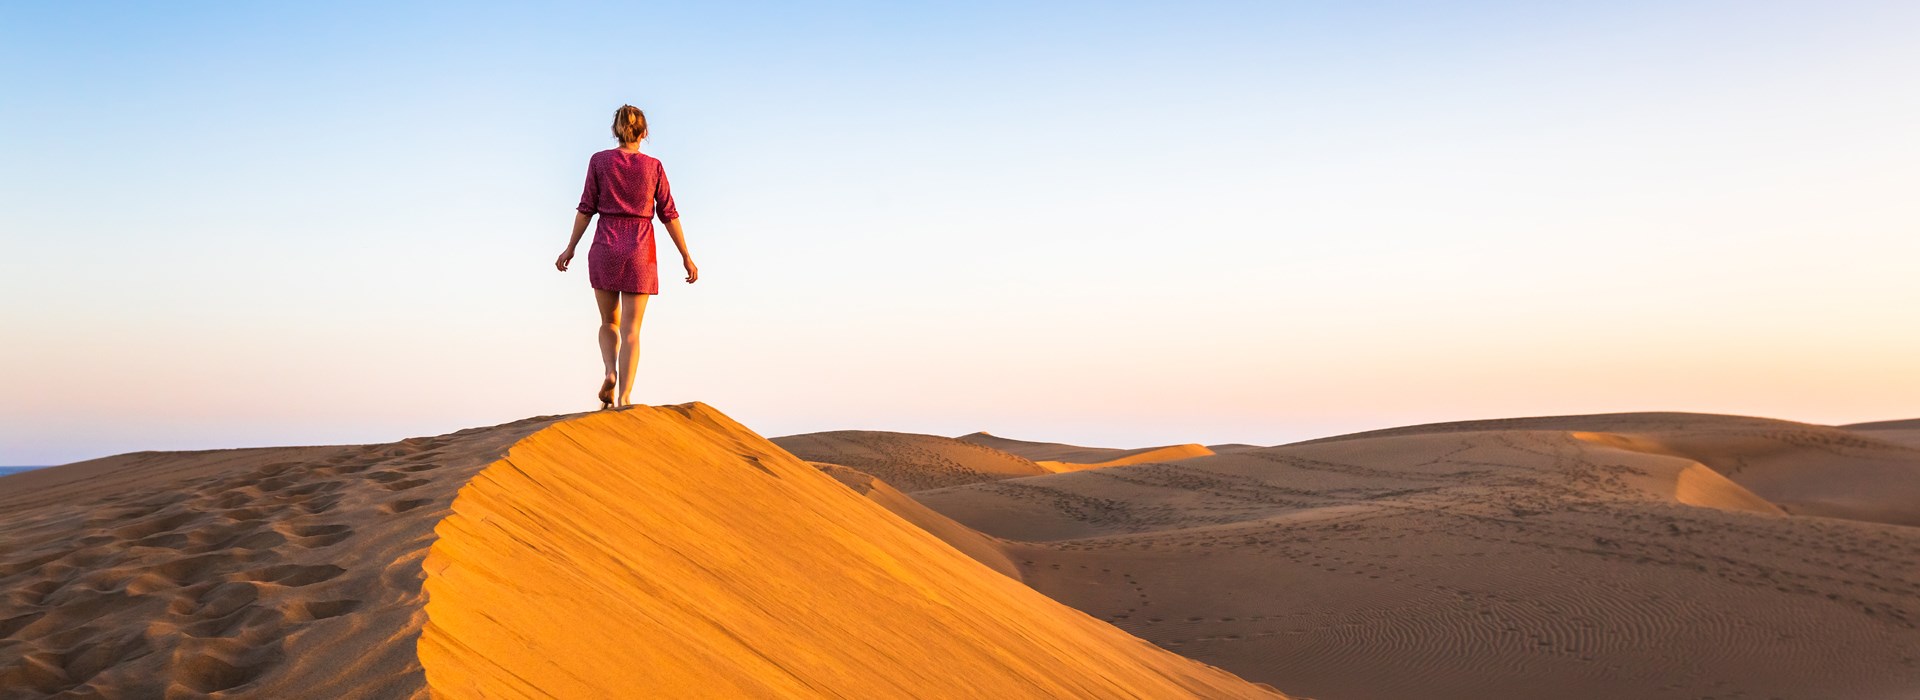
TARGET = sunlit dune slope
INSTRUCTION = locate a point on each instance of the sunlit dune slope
(1482, 564)
(1058, 457)
(1805, 469)
(910, 461)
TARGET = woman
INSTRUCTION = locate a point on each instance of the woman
(627, 189)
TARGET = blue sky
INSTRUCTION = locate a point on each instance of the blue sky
(1116, 224)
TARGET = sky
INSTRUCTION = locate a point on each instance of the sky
(1116, 224)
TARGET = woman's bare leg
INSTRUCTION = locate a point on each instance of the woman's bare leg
(609, 302)
(633, 307)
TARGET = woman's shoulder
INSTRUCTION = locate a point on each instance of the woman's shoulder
(627, 157)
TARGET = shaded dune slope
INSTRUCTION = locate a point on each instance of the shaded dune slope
(1060, 457)
(1477, 563)
(662, 552)
(270, 572)
(1803, 468)
(910, 461)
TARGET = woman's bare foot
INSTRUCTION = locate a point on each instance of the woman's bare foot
(606, 392)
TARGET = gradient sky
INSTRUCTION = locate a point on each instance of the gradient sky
(1106, 223)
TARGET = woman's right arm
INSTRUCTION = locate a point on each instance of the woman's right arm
(580, 220)
(589, 203)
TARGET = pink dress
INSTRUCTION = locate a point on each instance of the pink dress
(627, 190)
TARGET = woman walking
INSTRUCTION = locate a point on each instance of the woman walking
(627, 189)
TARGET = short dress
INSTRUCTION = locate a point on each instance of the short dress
(627, 190)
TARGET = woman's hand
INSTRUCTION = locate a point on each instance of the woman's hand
(693, 272)
(566, 256)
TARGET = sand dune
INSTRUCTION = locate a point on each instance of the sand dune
(1901, 432)
(1231, 447)
(649, 552)
(1805, 469)
(910, 461)
(1059, 457)
(1589, 558)
(1904, 424)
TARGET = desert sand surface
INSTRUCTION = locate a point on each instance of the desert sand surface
(644, 552)
(271, 572)
(1059, 457)
(1626, 556)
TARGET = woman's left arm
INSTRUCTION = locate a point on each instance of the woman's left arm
(669, 214)
(680, 241)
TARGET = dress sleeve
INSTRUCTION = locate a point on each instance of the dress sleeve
(663, 199)
(590, 195)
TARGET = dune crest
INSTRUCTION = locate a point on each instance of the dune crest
(670, 552)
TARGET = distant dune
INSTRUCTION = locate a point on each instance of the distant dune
(1630, 556)
(910, 461)
(1904, 432)
(1806, 469)
(648, 552)
(1232, 447)
(1907, 424)
(1058, 457)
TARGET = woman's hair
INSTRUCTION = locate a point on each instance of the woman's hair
(629, 124)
